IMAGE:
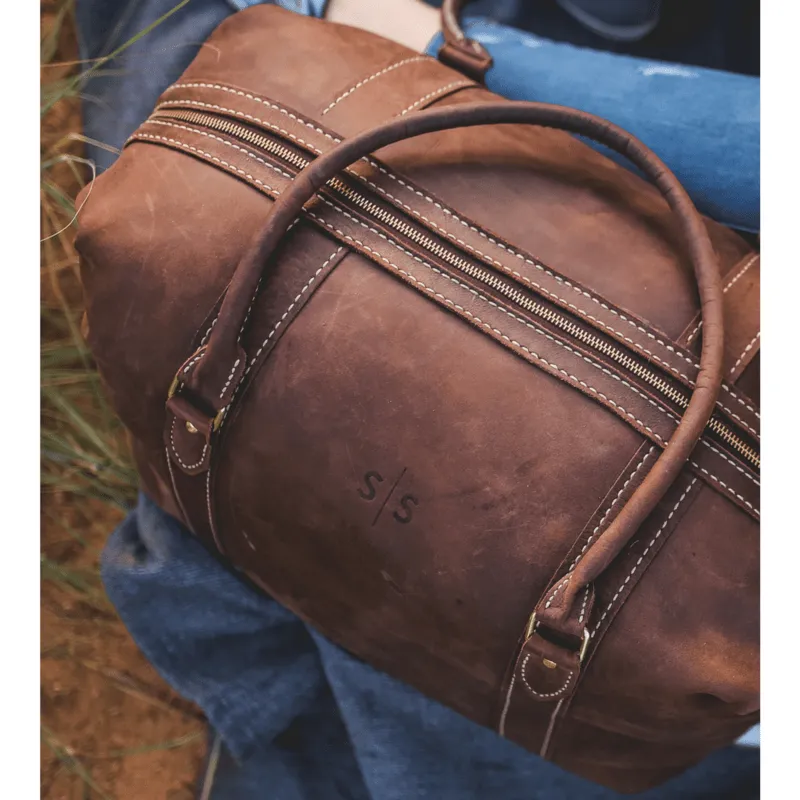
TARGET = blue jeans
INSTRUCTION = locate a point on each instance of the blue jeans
(297, 716)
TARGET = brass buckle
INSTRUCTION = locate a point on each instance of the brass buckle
(587, 636)
(173, 389)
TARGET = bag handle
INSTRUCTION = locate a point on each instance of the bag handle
(459, 52)
(213, 382)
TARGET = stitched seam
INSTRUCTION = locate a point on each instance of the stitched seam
(175, 492)
(372, 78)
(448, 301)
(543, 694)
(611, 506)
(194, 360)
(643, 555)
(548, 736)
(426, 197)
(210, 513)
(726, 487)
(534, 264)
(265, 163)
(745, 352)
(741, 272)
(278, 324)
(740, 420)
(208, 155)
(202, 152)
(501, 728)
(248, 176)
(694, 332)
(177, 455)
(594, 533)
(579, 311)
(445, 211)
(499, 308)
(460, 308)
(291, 306)
(556, 591)
(239, 93)
(724, 291)
(732, 463)
(242, 115)
(431, 95)
(739, 400)
(583, 607)
(208, 332)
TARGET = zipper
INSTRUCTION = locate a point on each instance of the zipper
(499, 284)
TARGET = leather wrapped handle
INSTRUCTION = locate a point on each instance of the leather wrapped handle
(223, 348)
(459, 52)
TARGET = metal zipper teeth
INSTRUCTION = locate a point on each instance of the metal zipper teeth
(483, 276)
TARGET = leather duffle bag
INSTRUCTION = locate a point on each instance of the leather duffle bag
(473, 400)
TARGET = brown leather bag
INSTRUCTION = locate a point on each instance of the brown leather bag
(444, 395)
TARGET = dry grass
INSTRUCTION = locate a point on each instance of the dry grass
(110, 727)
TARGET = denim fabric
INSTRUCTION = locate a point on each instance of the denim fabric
(704, 124)
(300, 718)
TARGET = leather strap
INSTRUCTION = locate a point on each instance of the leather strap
(213, 379)
(459, 52)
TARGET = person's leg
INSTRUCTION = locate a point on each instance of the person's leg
(704, 124)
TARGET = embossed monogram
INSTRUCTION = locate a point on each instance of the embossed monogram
(371, 490)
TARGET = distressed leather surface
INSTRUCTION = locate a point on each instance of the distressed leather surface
(406, 482)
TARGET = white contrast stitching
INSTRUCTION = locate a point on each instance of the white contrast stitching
(610, 508)
(544, 694)
(417, 192)
(460, 308)
(644, 554)
(532, 263)
(210, 513)
(208, 332)
(501, 728)
(594, 533)
(556, 591)
(291, 306)
(498, 308)
(233, 368)
(372, 78)
(221, 141)
(208, 155)
(745, 352)
(194, 360)
(733, 280)
(438, 92)
(239, 93)
(280, 321)
(732, 463)
(583, 607)
(732, 393)
(177, 454)
(742, 271)
(449, 213)
(549, 735)
(563, 372)
(726, 487)
(242, 115)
